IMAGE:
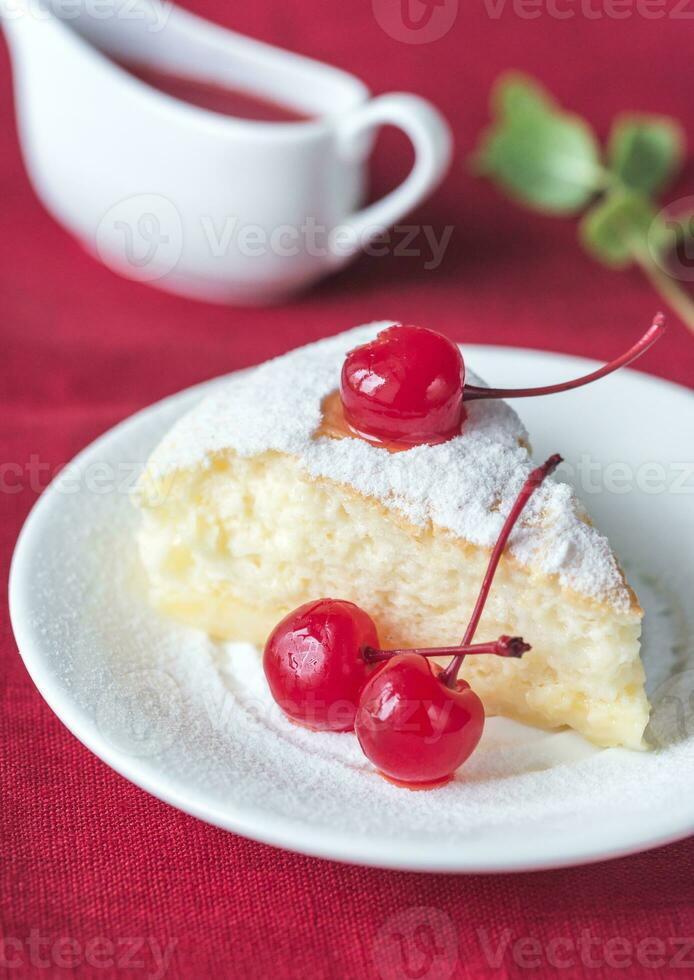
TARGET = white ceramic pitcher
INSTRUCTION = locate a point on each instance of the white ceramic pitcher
(195, 202)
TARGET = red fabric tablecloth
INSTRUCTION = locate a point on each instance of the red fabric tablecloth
(95, 875)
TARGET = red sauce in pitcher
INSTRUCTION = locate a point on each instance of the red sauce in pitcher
(214, 97)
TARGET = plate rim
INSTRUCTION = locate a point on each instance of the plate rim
(276, 831)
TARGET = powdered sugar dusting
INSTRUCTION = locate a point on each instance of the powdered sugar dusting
(466, 485)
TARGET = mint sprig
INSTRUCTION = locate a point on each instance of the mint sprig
(551, 161)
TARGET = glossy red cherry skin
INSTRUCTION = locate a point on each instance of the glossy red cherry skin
(405, 387)
(313, 663)
(413, 728)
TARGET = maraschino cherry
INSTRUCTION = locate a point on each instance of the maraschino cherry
(417, 723)
(407, 386)
(319, 657)
(314, 665)
(404, 387)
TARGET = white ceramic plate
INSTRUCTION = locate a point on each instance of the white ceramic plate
(190, 721)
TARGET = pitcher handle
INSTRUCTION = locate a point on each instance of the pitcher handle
(432, 141)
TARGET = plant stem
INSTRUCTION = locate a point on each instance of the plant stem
(673, 294)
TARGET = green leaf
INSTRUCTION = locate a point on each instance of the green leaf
(618, 226)
(646, 152)
(513, 92)
(546, 159)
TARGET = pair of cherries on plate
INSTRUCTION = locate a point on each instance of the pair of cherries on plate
(416, 722)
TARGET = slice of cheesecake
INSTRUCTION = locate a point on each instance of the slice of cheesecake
(255, 503)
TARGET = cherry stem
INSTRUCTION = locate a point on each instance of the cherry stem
(654, 332)
(505, 646)
(535, 479)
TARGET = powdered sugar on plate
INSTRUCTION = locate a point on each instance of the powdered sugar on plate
(466, 485)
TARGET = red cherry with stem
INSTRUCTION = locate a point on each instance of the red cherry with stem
(407, 386)
(319, 657)
(417, 725)
(404, 387)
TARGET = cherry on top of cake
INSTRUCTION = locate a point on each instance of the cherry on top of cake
(461, 486)
(406, 387)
